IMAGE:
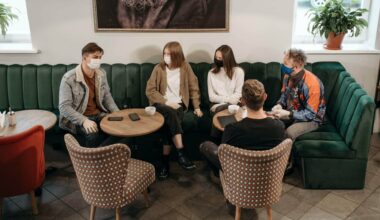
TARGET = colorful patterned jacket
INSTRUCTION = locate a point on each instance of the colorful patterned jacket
(303, 94)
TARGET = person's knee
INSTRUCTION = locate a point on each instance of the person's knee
(208, 147)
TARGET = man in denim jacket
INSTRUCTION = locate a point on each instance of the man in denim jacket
(85, 98)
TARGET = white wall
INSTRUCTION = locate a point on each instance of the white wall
(259, 31)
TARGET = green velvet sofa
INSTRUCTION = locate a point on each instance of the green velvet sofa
(334, 156)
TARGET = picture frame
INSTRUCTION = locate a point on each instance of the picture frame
(161, 15)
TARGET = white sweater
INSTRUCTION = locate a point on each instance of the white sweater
(222, 90)
(172, 91)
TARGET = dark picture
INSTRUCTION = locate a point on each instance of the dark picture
(161, 15)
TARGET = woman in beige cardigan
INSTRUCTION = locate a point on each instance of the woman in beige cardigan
(170, 87)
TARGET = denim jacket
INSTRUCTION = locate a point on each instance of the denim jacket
(73, 98)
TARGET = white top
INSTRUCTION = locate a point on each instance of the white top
(222, 89)
(172, 91)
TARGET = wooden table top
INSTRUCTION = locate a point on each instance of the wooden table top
(225, 112)
(27, 119)
(128, 128)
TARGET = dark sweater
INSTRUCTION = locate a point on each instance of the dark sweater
(254, 134)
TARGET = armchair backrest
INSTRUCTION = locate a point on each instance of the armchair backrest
(253, 179)
(22, 162)
(101, 172)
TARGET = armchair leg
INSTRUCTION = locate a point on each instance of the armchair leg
(237, 213)
(118, 216)
(34, 203)
(1, 208)
(146, 197)
(92, 212)
(269, 212)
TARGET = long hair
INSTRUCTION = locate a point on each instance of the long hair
(176, 54)
(229, 61)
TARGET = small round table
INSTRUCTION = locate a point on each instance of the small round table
(216, 123)
(128, 128)
(27, 119)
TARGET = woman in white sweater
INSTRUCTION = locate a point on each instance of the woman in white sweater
(225, 80)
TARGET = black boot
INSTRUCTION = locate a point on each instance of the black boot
(163, 168)
(184, 162)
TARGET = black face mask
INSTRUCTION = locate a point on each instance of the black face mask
(218, 63)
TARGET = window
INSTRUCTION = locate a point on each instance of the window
(18, 30)
(301, 21)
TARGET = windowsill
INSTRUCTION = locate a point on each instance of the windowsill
(17, 48)
(346, 49)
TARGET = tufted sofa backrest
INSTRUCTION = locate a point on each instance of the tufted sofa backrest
(37, 86)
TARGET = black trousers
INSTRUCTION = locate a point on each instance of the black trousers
(210, 151)
(215, 134)
(173, 121)
(96, 139)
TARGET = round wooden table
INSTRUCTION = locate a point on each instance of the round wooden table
(128, 128)
(216, 123)
(27, 119)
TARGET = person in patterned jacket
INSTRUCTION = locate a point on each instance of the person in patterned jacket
(302, 104)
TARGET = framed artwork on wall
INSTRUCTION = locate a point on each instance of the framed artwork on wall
(161, 15)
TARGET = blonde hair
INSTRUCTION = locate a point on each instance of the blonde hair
(298, 56)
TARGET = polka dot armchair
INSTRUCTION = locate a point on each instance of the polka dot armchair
(108, 177)
(253, 179)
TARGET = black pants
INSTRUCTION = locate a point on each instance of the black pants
(215, 134)
(96, 139)
(210, 151)
(173, 121)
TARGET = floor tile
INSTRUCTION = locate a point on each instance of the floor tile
(372, 181)
(337, 205)
(173, 215)
(286, 187)
(10, 208)
(363, 213)
(373, 151)
(155, 210)
(373, 166)
(55, 210)
(75, 200)
(25, 203)
(287, 204)
(299, 211)
(99, 213)
(316, 213)
(376, 157)
(200, 206)
(375, 140)
(357, 196)
(311, 197)
(373, 202)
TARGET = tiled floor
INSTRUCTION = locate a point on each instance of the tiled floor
(191, 195)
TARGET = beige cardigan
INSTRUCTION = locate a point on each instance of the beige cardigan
(157, 85)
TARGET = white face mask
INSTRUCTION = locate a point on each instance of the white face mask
(94, 64)
(167, 59)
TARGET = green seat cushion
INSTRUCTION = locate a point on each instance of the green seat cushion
(323, 149)
(321, 135)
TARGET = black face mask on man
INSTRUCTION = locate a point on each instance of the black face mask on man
(218, 63)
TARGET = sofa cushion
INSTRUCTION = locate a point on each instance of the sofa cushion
(323, 149)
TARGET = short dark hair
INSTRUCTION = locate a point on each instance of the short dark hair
(253, 94)
(91, 48)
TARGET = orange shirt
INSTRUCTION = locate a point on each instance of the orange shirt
(92, 108)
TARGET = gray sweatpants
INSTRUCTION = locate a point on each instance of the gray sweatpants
(300, 128)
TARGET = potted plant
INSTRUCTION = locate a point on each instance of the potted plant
(332, 20)
(6, 17)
